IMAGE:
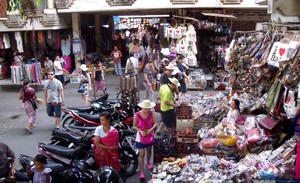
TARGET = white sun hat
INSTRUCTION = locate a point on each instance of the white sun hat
(174, 81)
(146, 104)
(175, 71)
(170, 66)
(83, 67)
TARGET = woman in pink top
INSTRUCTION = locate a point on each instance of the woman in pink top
(144, 122)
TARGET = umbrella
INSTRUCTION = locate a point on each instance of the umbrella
(121, 27)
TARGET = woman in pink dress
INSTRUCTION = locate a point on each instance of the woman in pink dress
(144, 122)
(106, 143)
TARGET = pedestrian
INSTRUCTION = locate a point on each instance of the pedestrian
(27, 94)
(86, 81)
(145, 42)
(132, 65)
(167, 105)
(144, 122)
(106, 143)
(58, 68)
(41, 173)
(98, 74)
(117, 55)
(148, 80)
(48, 66)
(54, 97)
(164, 78)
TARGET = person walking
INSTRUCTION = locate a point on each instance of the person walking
(117, 55)
(144, 122)
(48, 66)
(85, 80)
(27, 94)
(148, 80)
(58, 68)
(98, 74)
(167, 105)
(54, 97)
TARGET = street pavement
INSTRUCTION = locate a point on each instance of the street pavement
(13, 120)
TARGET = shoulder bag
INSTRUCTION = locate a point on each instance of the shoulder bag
(34, 104)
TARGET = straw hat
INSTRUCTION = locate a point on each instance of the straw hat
(174, 81)
(170, 66)
(83, 67)
(146, 104)
(175, 71)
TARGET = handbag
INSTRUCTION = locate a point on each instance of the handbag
(157, 107)
(81, 87)
(34, 104)
(147, 139)
(184, 122)
(181, 47)
(268, 123)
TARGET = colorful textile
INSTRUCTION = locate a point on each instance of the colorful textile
(105, 157)
(19, 41)
(65, 47)
(68, 63)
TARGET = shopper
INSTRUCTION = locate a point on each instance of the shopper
(27, 94)
(183, 79)
(148, 80)
(41, 173)
(164, 78)
(58, 68)
(117, 55)
(54, 97)
(165, 63)
(48, 66)
(98, 74)
(132, 65)
(145, 42)
(106, 143)
(144, 122)
(86, 83)
(137, 51)
(167, 105)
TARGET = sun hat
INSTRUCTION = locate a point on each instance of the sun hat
(146, 104)
(83, 67)
(170, 66)
(165, 60)
(175, 71)
(165, 51)
(174, 81)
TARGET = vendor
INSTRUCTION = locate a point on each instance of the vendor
(234, 110)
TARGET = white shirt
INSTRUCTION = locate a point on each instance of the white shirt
(100, 132)
(233, 114)
(135, 64)
(57, 63)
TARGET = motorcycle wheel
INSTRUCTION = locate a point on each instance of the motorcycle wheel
(67, 122)
(129, 160)
(129, 141)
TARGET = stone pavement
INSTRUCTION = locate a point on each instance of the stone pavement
(13, 120)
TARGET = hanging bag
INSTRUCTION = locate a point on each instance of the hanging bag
(183, 29)
(177, 33)
(181, 47)
(192, 60)
(34, 104)
(170, 32)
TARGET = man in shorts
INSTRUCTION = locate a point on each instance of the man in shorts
(167, 105)
(54, 97)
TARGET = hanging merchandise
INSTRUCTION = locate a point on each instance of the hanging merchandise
(169, 33)
(191, 34)
(182, 47)
(6, 40)
(291, 105)
(183, 29)
(192, 60)
(278, 53)
(177, 33)
(18, 38)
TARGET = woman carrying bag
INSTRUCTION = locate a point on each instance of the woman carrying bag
(144, 122)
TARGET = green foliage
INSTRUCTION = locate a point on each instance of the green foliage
(27, 8)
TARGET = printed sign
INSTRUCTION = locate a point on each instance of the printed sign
(76, 46)
(277, 54)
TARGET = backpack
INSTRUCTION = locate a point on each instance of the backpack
(130, 67)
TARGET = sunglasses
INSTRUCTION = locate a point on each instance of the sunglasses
(51, 74)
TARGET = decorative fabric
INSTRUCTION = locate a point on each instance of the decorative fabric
(6, 40)
(65, 47)
(18, 38)
(68, 63)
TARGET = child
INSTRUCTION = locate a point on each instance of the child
(41, 173)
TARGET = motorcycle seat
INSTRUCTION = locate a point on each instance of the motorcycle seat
(85, 109)
(113, 100)
(55, 167)
(73, 137)
(90, 117)
(83, 128)
(59, 150)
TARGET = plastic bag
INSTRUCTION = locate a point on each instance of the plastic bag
(253, 136)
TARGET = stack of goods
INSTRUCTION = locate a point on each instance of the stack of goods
(268, 165)
(197, 80)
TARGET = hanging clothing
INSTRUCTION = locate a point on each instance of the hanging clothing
(65, 47)
(1, 41)
(41, 40)
(18, 38)
(68, 63)
(6, 40)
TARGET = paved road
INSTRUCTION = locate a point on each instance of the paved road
(13, 120)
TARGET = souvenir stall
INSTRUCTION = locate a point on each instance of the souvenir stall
(31, 71)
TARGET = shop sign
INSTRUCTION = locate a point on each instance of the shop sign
(120, 2)
(277, 54)
(231, 1)
(76, 46)
(184, 1)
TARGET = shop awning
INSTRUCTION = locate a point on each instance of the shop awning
(218, 15)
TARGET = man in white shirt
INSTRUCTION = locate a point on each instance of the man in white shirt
(134, 64)
(59, 71)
